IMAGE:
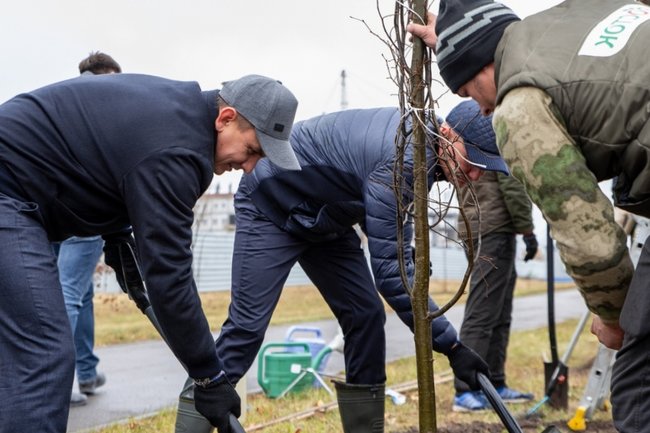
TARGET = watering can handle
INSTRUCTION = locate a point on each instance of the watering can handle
(284, 344)
(294, 329)
(261, 364)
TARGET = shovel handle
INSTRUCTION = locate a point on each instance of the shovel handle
(235, 426)
(137, 292)
(497, 404)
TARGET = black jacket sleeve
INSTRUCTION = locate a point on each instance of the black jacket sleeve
(160, 193)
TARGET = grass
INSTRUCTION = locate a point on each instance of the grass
(525, 371)
(117, 320)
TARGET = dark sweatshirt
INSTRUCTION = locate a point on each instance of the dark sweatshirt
(101, 153)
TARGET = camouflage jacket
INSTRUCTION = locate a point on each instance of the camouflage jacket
(540, 152)
(572, 93)
(592, 62)
(500, 201)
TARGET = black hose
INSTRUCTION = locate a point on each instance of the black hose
(497, 404)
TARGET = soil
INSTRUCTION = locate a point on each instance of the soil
(528, 426)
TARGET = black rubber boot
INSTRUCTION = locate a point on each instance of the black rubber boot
(361, 407)
(188, 419)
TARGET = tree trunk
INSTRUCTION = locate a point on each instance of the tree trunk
(420, 294)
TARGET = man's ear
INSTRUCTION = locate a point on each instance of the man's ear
(226, 115)
(445, 130)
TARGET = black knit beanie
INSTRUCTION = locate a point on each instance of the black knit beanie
(468, 33)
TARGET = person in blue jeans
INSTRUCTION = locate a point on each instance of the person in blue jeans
(78, 257)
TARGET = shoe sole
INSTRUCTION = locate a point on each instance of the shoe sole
(78, 403)
(456, 408)
(88, 389)
(92, 388)
(518, 400)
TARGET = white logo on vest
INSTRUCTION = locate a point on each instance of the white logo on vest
(610, 35)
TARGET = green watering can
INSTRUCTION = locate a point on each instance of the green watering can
(278, 365)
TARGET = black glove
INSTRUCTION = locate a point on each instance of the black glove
(216, 402)
(119, 254)
(466, 363)
(531, 246)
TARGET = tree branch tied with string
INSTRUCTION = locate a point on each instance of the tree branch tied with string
(420, 153)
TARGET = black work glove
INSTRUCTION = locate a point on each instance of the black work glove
(216, 402)
(117, 255)
(531, 246)
(466, 363)
(120, 254)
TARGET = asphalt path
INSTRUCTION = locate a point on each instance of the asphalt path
(143, 378)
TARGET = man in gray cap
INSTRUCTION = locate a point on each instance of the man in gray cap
(97, 155)
(570, 89)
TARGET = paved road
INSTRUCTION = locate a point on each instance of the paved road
(145, 377)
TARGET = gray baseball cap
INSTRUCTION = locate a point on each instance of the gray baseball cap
(271, 109)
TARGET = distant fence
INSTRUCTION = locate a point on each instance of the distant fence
(213, 260)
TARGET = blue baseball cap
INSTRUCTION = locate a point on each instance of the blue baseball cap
(478, 134)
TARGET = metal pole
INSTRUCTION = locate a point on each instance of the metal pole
(550, 284)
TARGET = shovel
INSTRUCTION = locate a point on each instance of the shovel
(137, 292)
(561, 371)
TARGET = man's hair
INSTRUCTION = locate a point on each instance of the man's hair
(99, 63)
(242, 122)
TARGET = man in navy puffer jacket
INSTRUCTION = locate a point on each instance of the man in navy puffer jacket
(307, 216)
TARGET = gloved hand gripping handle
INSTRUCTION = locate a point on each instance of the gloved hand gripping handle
(133, 284)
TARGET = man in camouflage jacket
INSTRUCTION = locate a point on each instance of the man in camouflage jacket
(569, 88)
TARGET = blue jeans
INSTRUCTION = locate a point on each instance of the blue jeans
(77, 261)
(36, 347)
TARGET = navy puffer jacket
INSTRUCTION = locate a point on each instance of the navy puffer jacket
(347, 175)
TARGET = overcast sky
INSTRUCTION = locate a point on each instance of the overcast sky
(304, 43)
